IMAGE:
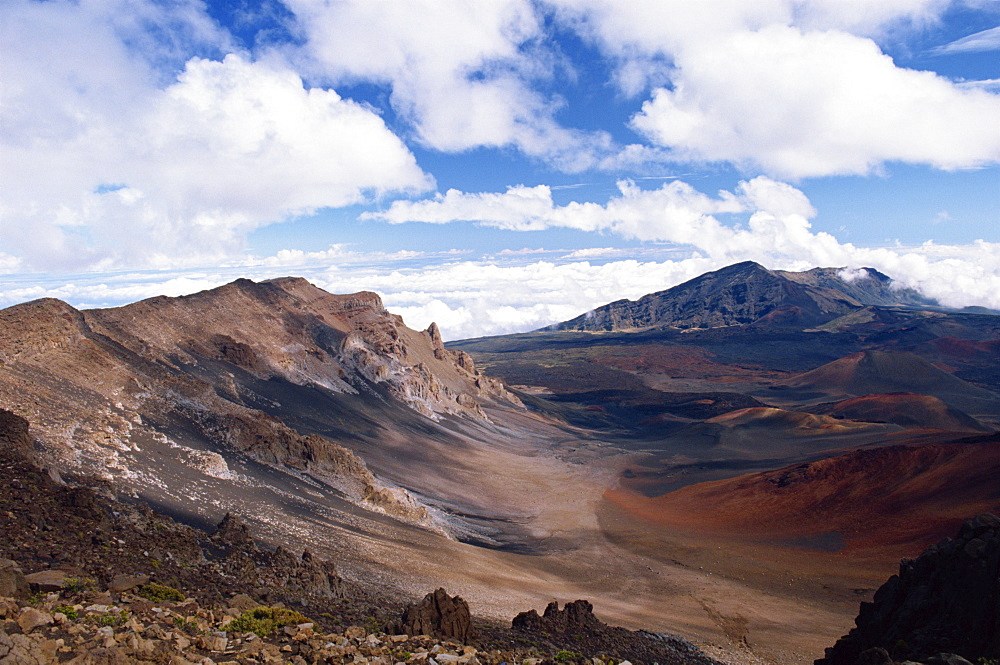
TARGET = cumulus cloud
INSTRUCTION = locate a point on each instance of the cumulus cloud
(117, 167)
(796, 89)
(772, 226)
(461, 73)
(843, 107)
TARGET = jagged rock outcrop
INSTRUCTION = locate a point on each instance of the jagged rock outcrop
(945, 601)
(575, 616)
(308, 574)
(576, 622)
(232, 531)
(438, 615)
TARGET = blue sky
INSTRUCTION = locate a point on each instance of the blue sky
(495, 166)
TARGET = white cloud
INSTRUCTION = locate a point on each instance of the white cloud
(986, 40)
(115, 168)
(800, 104)
(462, 73)
(793, 88)
(773, 228)
(475, 298)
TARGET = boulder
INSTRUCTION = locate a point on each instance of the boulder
(121, 583)
(438, 615)
(30, 618)
(947, 659)
(875, 656)
(47, 580)
(12, 581)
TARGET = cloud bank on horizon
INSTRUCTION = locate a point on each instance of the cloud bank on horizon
(152, 145)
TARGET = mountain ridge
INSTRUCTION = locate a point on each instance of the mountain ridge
(748, 293)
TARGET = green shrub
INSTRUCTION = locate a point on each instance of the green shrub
(113, 619)
(69, 611)
(79, 585)
(265, 620)
(563, 656)
(159, 593)
(189, 627)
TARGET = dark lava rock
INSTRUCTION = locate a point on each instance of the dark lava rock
(14, 432)
(947, 600)
(576, 616)
(306, 574)
(438, 615)
(876, 656)
(232, 532)
(575, 628)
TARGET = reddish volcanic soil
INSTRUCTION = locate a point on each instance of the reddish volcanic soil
(681, 361)
(879, 504)
(966, 349)
(873, 372)
(907, 410)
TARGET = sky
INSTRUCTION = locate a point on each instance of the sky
(500, 165)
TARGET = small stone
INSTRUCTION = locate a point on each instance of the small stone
(213, 642)
(30, 618)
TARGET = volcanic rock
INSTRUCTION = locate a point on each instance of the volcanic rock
(30, 618)
(232, 532)
(903, 409)
(438, 615)
(47, 580)
(842, 502)
(172, 393)
(307, 574)
(947, 600)
(12, 581)
(125, 582)
(574, 617)
(14, 432)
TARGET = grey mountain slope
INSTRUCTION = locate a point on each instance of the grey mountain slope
(746, 293)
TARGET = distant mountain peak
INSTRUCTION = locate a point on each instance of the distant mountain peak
(748, 293)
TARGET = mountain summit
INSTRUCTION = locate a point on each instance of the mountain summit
(746, 293)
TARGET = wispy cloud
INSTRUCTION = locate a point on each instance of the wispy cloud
(986, 40)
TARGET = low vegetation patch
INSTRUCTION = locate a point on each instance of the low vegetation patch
(159, 593)
(265, 620)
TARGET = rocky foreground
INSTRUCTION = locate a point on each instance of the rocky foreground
(90, 580)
